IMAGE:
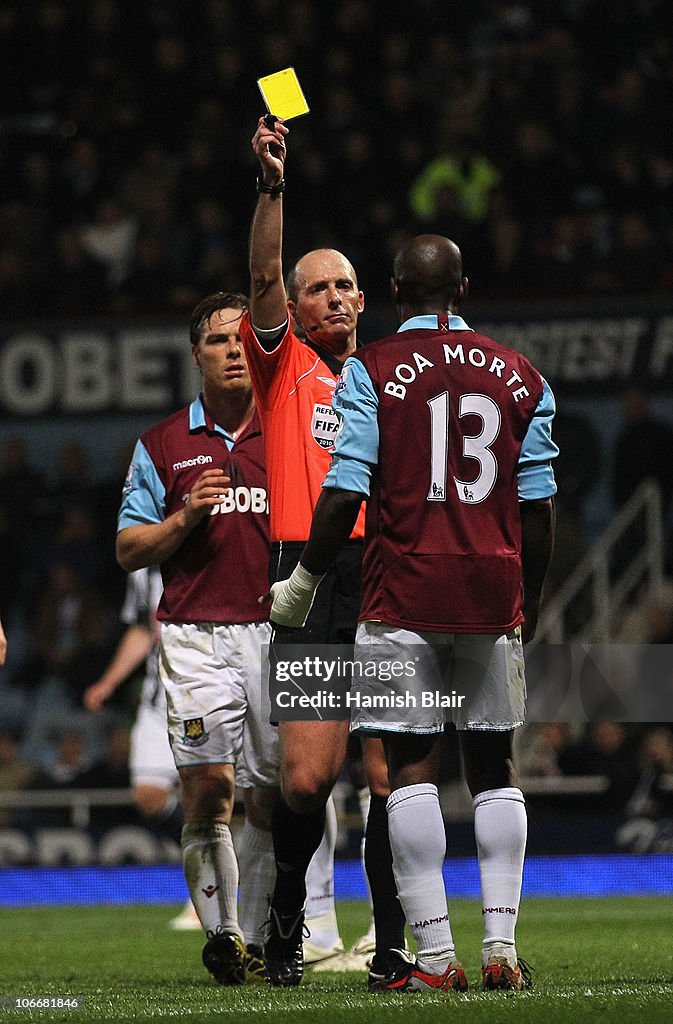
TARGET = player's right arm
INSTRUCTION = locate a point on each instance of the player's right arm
(132, 650)
(538, 530)
(145, 536)
(537, 488)
(333, 521)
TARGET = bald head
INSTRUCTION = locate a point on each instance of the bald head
(428, 275)
(324, 299)
(317, 260)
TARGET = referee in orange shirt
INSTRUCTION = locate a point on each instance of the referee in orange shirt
(294, 383)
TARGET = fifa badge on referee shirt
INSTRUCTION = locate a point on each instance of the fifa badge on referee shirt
(324, 425)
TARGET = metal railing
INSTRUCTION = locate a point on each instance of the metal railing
(82, 801)
(609, 595)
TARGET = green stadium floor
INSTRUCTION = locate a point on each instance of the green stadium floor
(595, 960)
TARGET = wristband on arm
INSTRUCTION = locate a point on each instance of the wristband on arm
(292, 598)
(270, 190)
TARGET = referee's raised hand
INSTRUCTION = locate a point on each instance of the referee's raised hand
(269, 146)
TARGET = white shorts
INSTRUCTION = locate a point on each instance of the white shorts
(151, 761)
(474, 680)
(218, 706)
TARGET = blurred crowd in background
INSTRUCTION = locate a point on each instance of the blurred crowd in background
(534, 133)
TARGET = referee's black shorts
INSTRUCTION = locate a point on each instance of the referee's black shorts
(334, 615)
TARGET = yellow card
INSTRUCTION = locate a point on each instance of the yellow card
(282, 94)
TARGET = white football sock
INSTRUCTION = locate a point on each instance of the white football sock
(364, 800)
(418, 843)
(211, 872)
(320, 913)
(500, 828)
(257, 871)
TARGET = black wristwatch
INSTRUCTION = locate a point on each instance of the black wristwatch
(270, 190)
